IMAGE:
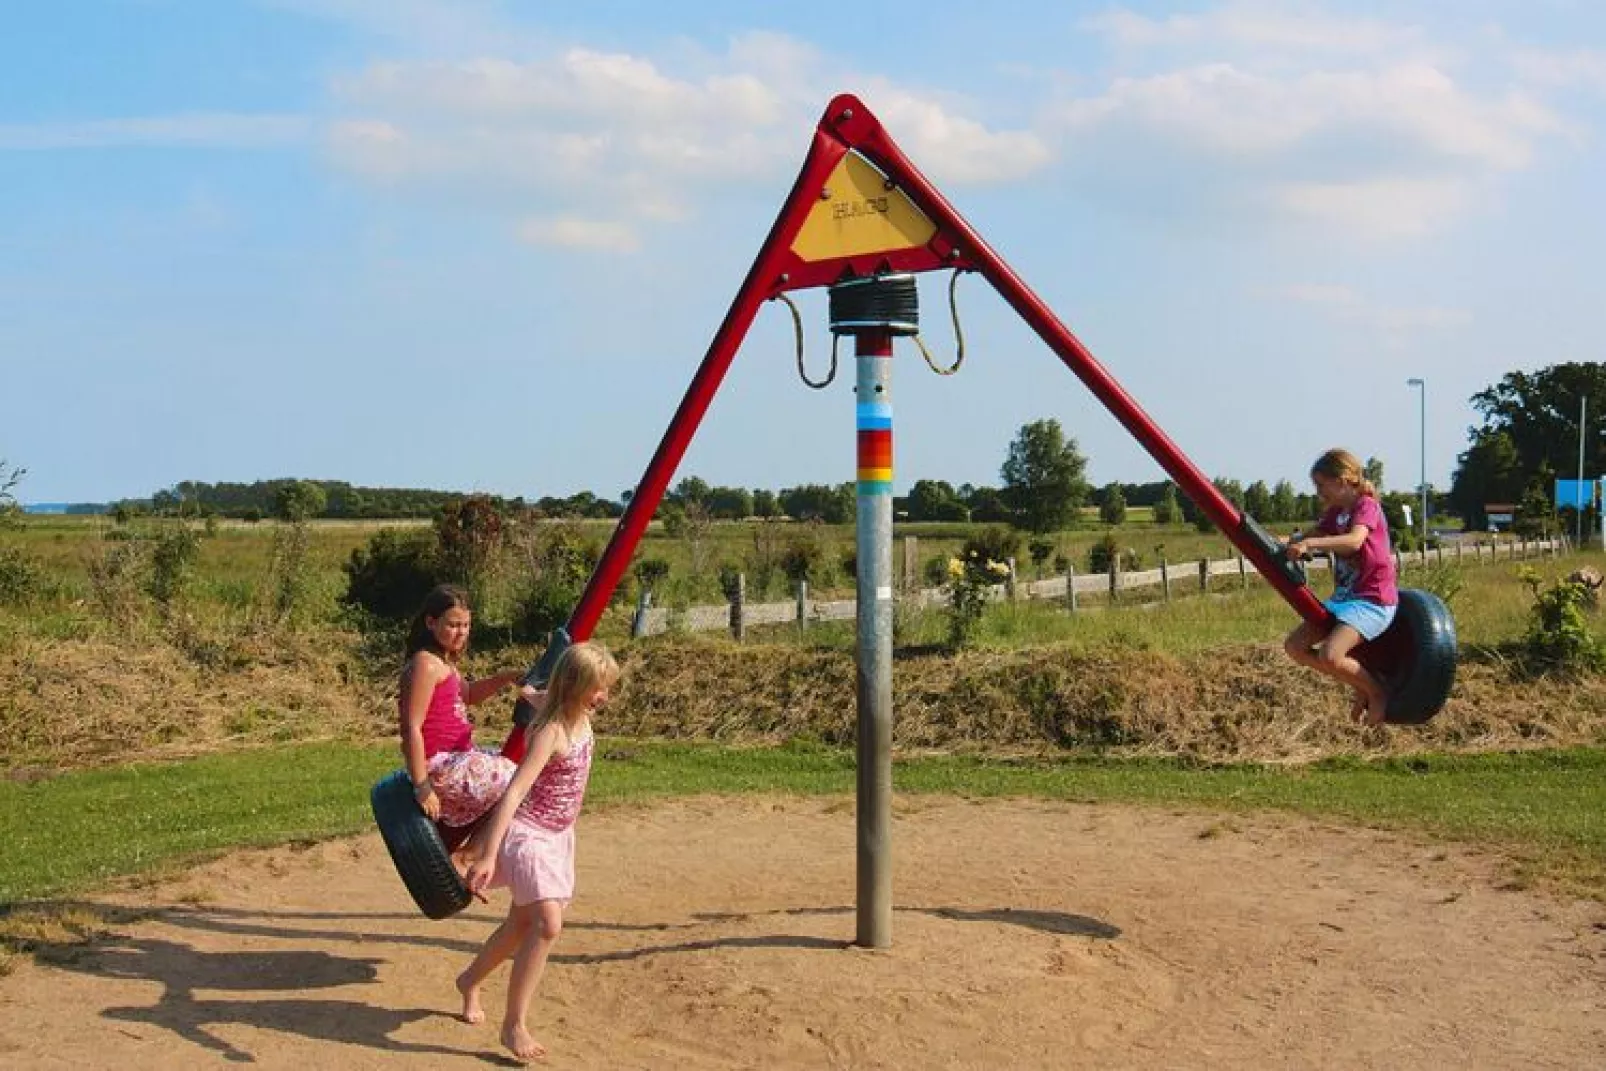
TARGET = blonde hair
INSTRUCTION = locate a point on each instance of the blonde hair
(581, 670)
(1345, 467)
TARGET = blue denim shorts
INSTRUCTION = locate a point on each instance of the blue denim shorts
(1370, 619)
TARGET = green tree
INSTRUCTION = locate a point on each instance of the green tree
(1537, 413)
(935, 500)
(1168, 510)
(298, 501)
(1258, 502)
(986, 506)
(1112, 505)
(1372, 471)
(1490, 471)
(1284, 503)
(1043, 481)
(729, 503)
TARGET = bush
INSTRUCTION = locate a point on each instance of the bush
(1106, 550)
(651, 572)
(390, 577)
(804, 558)
(542, 607)
(1559, 637)
(117, 579)
(173, 554)
(992, 544)
(21, 578)
(970, 578)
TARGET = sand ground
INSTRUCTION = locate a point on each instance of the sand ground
(717, 933)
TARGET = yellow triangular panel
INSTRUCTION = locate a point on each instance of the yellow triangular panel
(860, 215)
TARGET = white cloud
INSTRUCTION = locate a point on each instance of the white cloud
(1281, 27)
(616, 137)
(569, 232)
(1562, 68)
(1380, 208)
(220, 130)
(1395, 325)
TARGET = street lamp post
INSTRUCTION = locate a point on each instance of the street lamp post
(1422, 422)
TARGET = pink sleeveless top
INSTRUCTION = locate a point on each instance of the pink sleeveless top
(554, 800)
(446, 726)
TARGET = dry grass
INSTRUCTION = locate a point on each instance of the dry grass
(91, 702)
(1231, 704)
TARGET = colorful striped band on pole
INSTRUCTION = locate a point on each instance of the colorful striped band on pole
(875, 448)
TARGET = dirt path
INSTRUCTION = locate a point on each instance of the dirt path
(713, 934)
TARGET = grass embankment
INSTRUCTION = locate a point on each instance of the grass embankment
(1547, 810)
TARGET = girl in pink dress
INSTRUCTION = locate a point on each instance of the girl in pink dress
(454, 782)
(528, 842)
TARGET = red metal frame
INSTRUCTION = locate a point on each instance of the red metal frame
(848, 125)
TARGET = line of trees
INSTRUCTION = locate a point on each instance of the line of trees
(1529, 435)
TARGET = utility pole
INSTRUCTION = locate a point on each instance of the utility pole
(1422, 423)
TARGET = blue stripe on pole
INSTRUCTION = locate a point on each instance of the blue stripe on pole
(874, 415)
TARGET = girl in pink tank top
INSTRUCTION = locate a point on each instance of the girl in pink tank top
(454, 782)
(528, 842)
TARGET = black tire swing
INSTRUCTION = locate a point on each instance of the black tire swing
(421, 849)
(1414, 658)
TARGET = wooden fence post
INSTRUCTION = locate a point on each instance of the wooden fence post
(802, 605)
(1070, 587)
(638, 624)
(1243, 573)
(1115, 575)
(1204, 575)
(1011, 588)
(1165, 581)
(739, 608)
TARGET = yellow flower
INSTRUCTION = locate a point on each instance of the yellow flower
(956, 568)
(998, 568)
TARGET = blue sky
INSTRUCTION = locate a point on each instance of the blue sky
(483, 246)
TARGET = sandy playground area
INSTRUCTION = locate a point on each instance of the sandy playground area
(715, 934)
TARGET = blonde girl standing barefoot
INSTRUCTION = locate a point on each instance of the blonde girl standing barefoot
(528, 843)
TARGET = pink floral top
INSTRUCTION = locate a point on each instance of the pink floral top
(554, 800)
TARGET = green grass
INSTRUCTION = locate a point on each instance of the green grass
(1546, 810)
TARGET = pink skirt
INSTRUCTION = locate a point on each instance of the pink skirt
(536, 863)
(469, 783)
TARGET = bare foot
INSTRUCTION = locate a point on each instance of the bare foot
(1376, 710)
(521, 1044)
(472, 1011)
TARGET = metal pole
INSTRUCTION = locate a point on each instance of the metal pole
(1422, 454)
(1578, 495)
(874, 529)
(1422, 419)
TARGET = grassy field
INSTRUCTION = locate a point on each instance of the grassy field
(1545, 810)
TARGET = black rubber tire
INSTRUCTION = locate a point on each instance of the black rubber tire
(416, 848)
(1415, 658)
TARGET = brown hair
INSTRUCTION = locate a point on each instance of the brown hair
(1345, 467)
(437, 602)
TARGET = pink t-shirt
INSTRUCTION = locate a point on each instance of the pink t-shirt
(1368, 573)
